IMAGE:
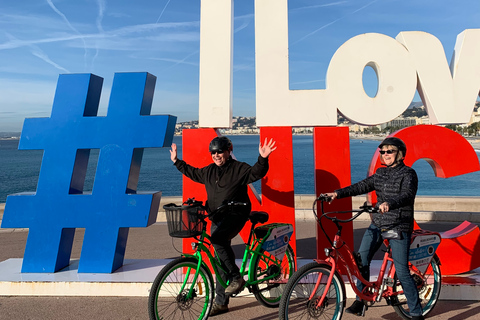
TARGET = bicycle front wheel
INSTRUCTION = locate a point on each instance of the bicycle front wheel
(269, 292)
(304, 290)
(174, 295)
(428, 290)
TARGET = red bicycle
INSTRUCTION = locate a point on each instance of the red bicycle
(317, 290)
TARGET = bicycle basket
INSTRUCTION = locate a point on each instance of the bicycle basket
(184, 221)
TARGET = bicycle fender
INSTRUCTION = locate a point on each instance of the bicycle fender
(322, 261)
(186, 255)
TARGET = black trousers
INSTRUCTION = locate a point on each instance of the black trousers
(222, 233)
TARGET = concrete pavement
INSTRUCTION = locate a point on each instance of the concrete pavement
(154, 243)
(440, 214)
(135, 308)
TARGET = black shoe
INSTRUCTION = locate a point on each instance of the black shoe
(218, 309)
(418, 318)
(357, 308)
(235, 286)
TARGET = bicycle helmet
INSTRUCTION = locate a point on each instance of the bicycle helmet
(220, 144)
(394, 141)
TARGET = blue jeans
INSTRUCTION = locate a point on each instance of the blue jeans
(371, 242)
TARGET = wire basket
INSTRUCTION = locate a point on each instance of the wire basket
(184, 221)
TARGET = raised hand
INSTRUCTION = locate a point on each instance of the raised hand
(173, 153)
(267, 148)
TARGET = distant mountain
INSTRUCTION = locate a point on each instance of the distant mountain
(415, 104)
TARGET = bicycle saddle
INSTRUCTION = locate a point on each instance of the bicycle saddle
(258, 216)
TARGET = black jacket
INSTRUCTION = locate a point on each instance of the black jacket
(226, 183)
(395, 185)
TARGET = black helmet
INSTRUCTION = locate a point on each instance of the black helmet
(394, 141)
(220, 144)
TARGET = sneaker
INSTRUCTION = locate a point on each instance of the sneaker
(235, 286)
(218, 309)
(357, 308)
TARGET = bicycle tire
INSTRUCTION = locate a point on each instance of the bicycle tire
(428, 290)
(271, 298)
(166, 299)
(296, 302)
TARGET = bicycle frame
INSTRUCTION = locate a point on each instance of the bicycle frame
(341, 254)
(317, 289)
(252, 249)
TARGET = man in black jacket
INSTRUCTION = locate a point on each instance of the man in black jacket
(396, 187)
(226, 180)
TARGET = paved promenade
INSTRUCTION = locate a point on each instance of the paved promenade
(135, 308)
(154, 243)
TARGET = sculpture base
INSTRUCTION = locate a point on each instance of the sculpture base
(135, 278)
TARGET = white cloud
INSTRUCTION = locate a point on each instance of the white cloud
(119, 34)
(316, 6)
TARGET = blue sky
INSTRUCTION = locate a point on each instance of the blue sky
(40, 39)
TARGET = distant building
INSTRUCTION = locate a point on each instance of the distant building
(302, 130)
(400, 122)
(423, 120)
(474, 118)
(357, 128)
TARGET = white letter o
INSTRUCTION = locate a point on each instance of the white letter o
(397, 79)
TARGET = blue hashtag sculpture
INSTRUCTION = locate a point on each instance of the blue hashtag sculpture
(60, 204)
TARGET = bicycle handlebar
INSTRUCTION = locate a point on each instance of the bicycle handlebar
(364, 208)
(231, 204)
(324, 198)
(193, 202)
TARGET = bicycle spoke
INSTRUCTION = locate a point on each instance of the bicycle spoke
(301, 299)
(270, 291)
(175, 296)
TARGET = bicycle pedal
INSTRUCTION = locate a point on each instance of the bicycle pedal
(355, 310)
(233, 295)
(362, 313)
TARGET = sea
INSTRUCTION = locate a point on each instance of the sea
(19, 169)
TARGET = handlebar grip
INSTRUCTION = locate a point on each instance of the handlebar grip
(192, 201)
(323, 197)
(368, 208)
(230, 204)
(237, 203)
(373, 210)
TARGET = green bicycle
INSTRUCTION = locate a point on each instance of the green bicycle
(185, 289)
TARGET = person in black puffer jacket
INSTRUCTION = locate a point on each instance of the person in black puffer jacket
(226, 180)
(396, 187)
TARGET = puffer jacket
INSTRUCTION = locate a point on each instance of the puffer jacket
(395, 185)
(226, 183)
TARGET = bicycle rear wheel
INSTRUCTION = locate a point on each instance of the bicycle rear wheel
(170, 296)
(428, 290)
(270, 292)
(305, 288)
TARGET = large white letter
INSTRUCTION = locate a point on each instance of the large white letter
(448, 95)
(277, 105)
(395, 72)
(216, 63)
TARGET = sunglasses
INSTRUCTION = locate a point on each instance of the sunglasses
(388, 151)
(219, 152)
